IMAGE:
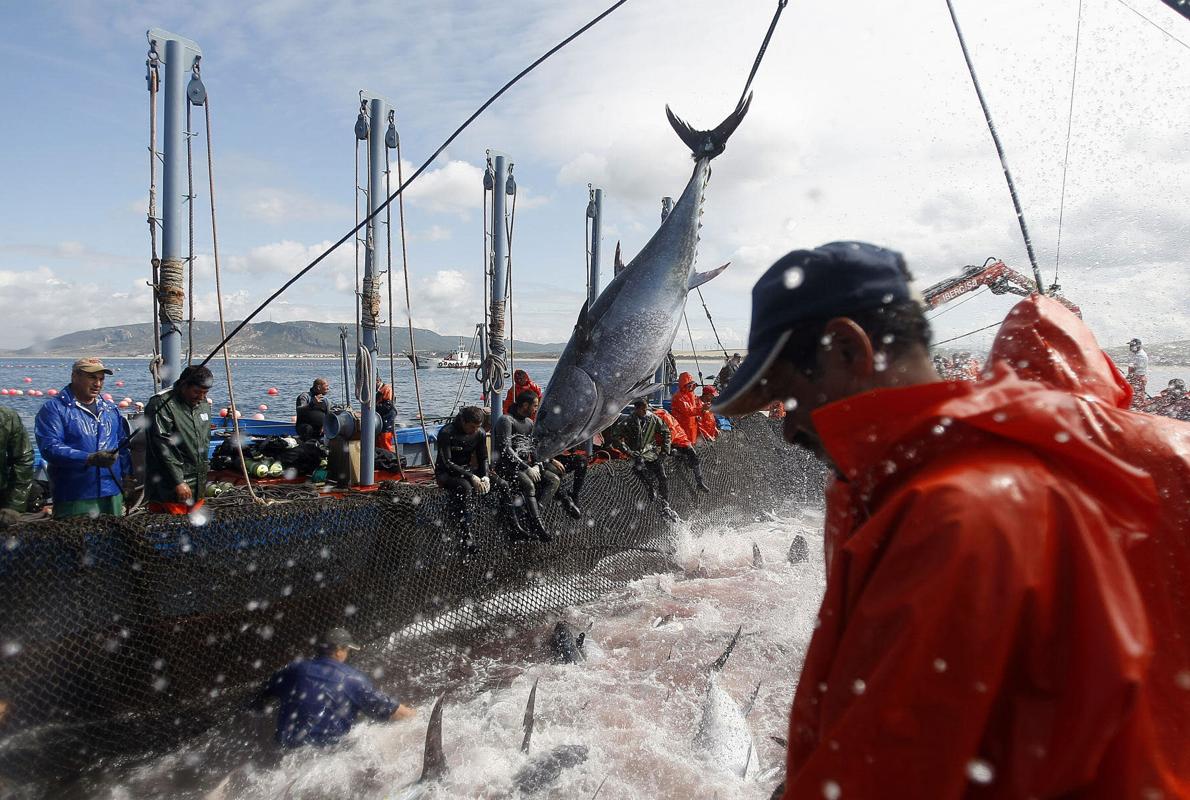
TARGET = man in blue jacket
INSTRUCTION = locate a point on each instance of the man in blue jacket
(84, 439)
(320, 698)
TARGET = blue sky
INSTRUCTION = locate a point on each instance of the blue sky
(864, 126)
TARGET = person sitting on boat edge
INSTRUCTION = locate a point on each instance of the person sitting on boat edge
(520, 383)
(531, 485)
(985, 621)
(682, 447)
(386, 409)
(708, 426)
(1138, 372)
(312, 409)
(460, 441)
(84, 440)
(178, 438)
(16, 466)
(320, 698)
(645, 438)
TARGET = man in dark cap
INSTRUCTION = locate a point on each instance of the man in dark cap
(1005, 598)
(84, 439)
(320, 698)
(178, 439)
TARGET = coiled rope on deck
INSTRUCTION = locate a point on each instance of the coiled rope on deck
(424, 166)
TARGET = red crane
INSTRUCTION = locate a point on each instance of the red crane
(997, 276)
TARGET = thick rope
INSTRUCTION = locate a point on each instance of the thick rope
(969, 333)
(487, 265)
(693, 349)
(421, 417)
(417, 173)
(1066, 158)
(231, 397)
(987, 115)
(153, 77)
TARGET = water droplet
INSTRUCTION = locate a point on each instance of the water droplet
(980, 771)
(831, 790)
(937, 430)
(790, 404)
(793, 277)
(1182, 679)
(859, 686)
(1062, 437)
(939, 665)
(11, 648)
(999, 416)
(880, 362)
(159, 684)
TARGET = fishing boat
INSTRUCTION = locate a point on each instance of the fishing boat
(419, 361)
(459, 358)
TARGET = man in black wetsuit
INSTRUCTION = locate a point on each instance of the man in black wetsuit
(312, 408)
(512, 441)
(460, 441)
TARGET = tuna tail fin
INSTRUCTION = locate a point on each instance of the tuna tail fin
(699, 278)
(434, 763)
(722, 660)
(708, 144)
(528, 722)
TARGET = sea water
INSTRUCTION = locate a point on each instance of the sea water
(635, 702)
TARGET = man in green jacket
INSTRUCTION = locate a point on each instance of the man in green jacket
(16, 466)
(176, 453)
(646, 439)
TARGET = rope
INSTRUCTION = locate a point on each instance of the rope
(987, 115)
(508, 229)
(190, 252)
(1066, 158)
(388, 232)
(712, 321)
(489, 181)
(463, 374)
(153, 78)
(763, 47)
(231, 396)
(1154, 24)
(969, 333)
(693, 349)
(425, 165)
(491, 371)
(421, 417)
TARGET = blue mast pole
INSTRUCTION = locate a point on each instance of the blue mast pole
(595, 212)
(370, 292)
(179, 57)
(499, 262)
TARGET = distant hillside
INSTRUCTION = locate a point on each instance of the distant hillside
(257, 339)
(1176, 353)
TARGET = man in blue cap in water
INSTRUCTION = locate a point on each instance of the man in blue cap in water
(321, 697)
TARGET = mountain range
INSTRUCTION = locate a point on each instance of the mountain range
(256, 339)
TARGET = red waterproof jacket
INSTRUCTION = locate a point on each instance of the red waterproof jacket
(686, 407)
(678, 437)
(708, 426)
(1006, 611)
(517, 388)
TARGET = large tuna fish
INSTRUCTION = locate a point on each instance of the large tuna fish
(619, 341)
(724, 737)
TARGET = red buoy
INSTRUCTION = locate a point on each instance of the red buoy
(27, 380)
(52, 392)
(107, 397)
(273, 390)
(223, 412)
(263, 407)
(119, 383)
(258, 416)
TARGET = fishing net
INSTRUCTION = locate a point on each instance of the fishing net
(125, 635)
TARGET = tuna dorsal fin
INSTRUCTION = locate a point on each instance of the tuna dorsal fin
(722, 660)
(583, 327)
(708, 144)
(751, 700)
(699, 278)
(757, 557)
(528, 722)
(618, 264)
(434, 762)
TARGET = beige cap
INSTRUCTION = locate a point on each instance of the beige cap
(90, 365)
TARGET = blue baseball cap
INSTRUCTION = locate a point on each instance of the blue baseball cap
(833, 280)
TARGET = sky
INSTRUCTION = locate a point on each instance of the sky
(864, 126)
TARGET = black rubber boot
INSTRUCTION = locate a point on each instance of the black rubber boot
(536, 526)
(698, 481)
(569, 506)
(516, 528)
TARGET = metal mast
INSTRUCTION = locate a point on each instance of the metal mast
(499, 264)
(180, 56)
(370, 292)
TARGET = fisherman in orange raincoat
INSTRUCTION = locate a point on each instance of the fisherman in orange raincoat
(685, 407)
(708, 426)
(682, 448)
(520, 383)
(1007, 611)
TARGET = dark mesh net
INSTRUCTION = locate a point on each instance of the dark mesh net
(122, 636)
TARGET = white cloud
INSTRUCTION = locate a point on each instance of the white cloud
(275, 206)
(49, 304)
(456, 187)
